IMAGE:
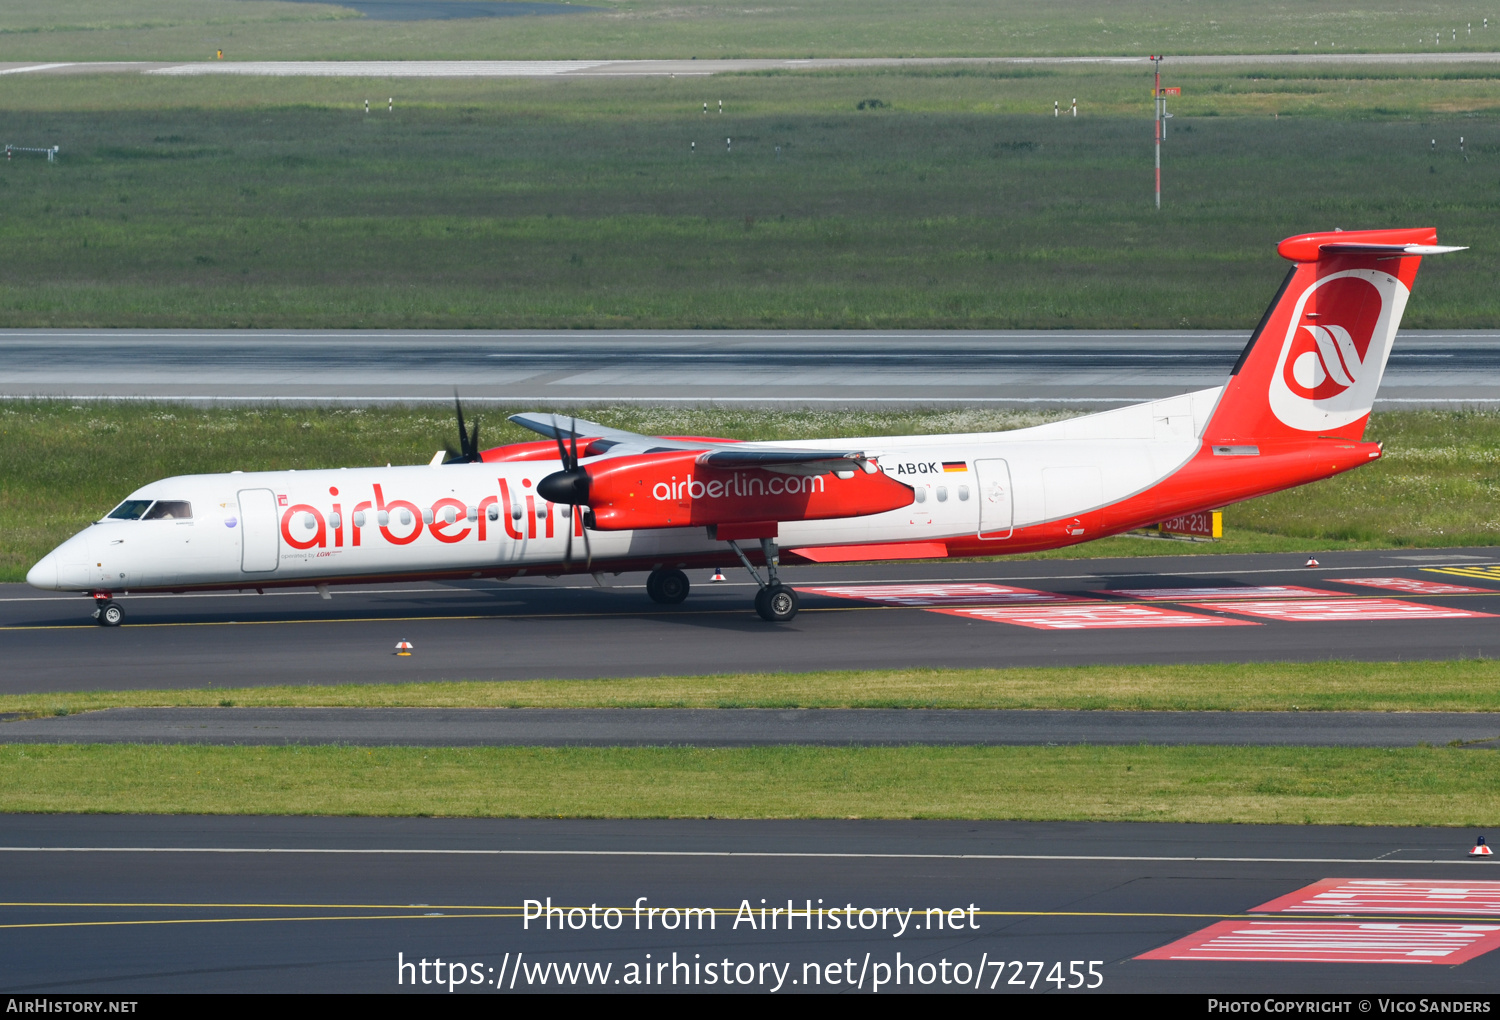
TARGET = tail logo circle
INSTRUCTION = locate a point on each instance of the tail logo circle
(1331, 341)
(1338, 336)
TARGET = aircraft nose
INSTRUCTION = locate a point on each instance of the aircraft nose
(44, 574)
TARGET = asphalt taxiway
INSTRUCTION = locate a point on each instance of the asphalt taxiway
(1077, 369)
(124, 904)
(570, 628)
(743, 727)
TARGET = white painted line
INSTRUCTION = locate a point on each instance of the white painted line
(700, 853)
(384, 68)
(33, 67)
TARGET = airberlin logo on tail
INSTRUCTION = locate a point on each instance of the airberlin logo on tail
(1335, 349)
(1327, 352)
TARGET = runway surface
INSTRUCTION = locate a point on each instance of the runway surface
(122, 904)
(1078, 369)
(688, 68)
(616, 727)
(1023, 613)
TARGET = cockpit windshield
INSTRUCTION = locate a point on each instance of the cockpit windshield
(170, 510)
(130, 510)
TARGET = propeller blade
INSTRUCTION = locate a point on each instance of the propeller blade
(573, 428)
(562, 451)
(588, 550)
(568, 546)
(468, 438)
(463, 435)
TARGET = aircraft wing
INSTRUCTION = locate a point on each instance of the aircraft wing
(792, 462)
(619, 442)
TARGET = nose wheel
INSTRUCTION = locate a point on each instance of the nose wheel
(774, 602)
(108, 613)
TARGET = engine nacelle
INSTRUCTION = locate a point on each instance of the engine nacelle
(672, 490)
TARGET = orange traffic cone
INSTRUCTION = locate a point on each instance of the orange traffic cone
(1310, 562)
(403, 647)
(1480, 849)
(718, 577)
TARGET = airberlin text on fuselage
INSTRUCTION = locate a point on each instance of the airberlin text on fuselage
(391, 519)
(736, 485)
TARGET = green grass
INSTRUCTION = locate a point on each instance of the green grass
(1331, 786)
(1458, 686)
(63, 465)
(193, 29)
(577, 203)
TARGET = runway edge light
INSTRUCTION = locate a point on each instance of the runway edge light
(403, 647)
(1310, 562)
(718, 577)
(1481, 849)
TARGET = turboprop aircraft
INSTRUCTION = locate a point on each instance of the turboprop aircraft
(592, 499)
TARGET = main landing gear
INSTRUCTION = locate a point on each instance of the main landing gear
(667, 587)
(775, 602)
(107, 611)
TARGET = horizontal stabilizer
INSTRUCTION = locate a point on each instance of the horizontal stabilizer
(1330, 244)
(1388, 250)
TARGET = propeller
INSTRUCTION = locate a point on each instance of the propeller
(569, 486)
(468, 439)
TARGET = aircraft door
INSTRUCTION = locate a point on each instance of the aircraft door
(260, 532)
(996, 508)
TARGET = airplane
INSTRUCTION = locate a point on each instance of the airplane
(589, 499)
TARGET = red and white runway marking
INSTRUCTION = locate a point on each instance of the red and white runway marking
(1389, 896)
(938, 594)
(1334, 942)
(1264, 591)
(1326, 610)
(1414, 586)
(1091, 616)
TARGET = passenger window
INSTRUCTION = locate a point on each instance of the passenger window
(130, 510)
(170, 510)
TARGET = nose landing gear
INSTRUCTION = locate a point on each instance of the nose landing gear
(107, 611)
(775, 602)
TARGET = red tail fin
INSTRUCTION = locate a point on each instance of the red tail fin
(1314, 363)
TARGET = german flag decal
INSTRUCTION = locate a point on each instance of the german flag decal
(955, 465)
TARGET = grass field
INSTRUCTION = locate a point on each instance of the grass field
(1328, 786)
(63, 465)
(1449, 686)
(193, 29)
(958, 203)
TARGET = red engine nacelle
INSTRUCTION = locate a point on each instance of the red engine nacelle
(672, 490)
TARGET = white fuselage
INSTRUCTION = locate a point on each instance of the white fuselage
(256, 529)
